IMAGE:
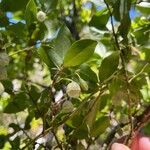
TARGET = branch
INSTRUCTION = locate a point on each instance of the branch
(124, 69)
(142, 119)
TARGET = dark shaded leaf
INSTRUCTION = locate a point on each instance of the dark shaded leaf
(81, 132)
(100, 19)
(109, 66)
(89, 76)
(18, 30)
(17, 104)
(15, 143)
(15, 5)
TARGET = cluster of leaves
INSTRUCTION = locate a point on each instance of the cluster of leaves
(95, 45)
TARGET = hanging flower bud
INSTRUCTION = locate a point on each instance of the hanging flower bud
(73, 89)
(1, 88)
(67, 107)
(4, 59)
(41, 16)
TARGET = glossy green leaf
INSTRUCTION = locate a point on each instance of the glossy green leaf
(55, 52)
(100, 19)
(108, 66)
(30, 13)
(100, 126)
(79, 52)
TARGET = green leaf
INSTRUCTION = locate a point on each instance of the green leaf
(28, 121)
(55, 52)
(89, 76)
(109, 66)
(18, 30)
(13, 6)
(35, 93)
(15, 143)
(94, 107)
(100, 19)
(87, 73)
(43, 51)
(18, 103)
(144, 7)
(8, 86)
(100, 126)
(76, 118)
(81, 132)
(79, 52)
(30, 13)
(103, 101)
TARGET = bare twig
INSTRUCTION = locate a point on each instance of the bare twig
(23, 50)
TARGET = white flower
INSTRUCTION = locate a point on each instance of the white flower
(73, 89)
(41, 16)
(4, 59)
(67, 107)
(1, 88)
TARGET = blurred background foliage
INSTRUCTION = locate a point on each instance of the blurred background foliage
(102, 47)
